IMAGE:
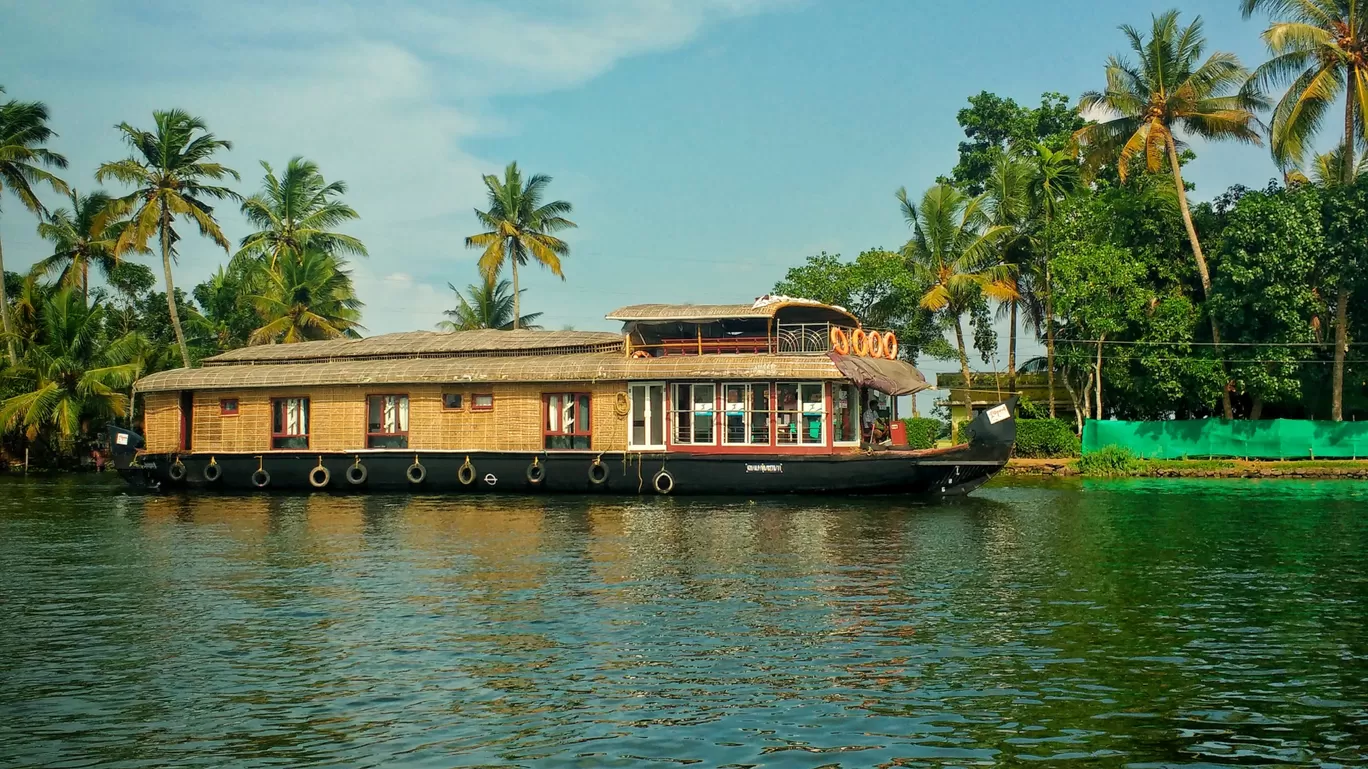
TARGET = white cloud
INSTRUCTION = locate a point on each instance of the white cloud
(383, 96)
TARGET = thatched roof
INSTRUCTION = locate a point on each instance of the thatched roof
(666, 313)
(584, 367)
(427, 344)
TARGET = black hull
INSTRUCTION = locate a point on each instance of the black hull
(957, 470)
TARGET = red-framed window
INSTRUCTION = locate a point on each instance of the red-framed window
(482, 402)
(747, 413)
(387, 422)
(228, 407)
(567, 425)
(290, 423)
(695, 414)
(800, 414)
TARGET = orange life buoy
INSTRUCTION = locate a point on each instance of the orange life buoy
(640, 354)
(890, 345)
(839, 341)
(876, 345)
(859, 342)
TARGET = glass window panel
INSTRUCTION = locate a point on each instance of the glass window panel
(639, 416)
(657, 417)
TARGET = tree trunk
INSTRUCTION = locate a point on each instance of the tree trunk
(171, 288)
(1011, 348)
(517, 304)
(1256, 410)
(1097, 369)
(1202, 271)
(1049, 323)
(1079, 408)
(964, 369)
(1341, 347)
(1347, 172)
(4, 313)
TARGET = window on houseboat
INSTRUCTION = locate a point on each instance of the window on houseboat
(695, 414)
(647, 416)
(746, 411)
(452, 401)
(845, 413)
(228, 407)
(567, 421)
(387, 422)
(801, 414)
(482, 402)
(290, 423)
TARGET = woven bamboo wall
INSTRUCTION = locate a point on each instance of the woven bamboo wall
(338, 418)
(161, 422)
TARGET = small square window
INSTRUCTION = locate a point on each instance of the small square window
(482, 402)
(452, 401)
(228, 407)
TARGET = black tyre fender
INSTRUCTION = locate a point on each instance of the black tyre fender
(466, 475)
(663, 482)
(320, 477)
(536, 473)
(213, 471)
(261, 479)
(416, 473)
(177, 471)
(357, 473)
(598, 473)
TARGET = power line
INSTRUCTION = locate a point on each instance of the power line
(1095, 342)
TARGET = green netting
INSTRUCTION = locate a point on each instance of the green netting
(1270, 439)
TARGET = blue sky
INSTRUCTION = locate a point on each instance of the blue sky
(707, 145)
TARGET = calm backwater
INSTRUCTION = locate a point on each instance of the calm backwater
(1137, 623)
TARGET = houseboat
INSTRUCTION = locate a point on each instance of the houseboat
(763, 398)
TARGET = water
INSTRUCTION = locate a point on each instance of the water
(1121, 623)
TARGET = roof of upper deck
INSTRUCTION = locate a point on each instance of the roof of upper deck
(427, 344)
(766, 307)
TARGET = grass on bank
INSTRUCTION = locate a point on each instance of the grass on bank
(1119, 462)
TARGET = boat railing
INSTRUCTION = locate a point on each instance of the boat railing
(785, 339)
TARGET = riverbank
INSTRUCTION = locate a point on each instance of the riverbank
(1200, 468)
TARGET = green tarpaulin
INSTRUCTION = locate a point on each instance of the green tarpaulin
(1268, 439)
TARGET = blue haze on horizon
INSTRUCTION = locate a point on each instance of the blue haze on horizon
(707, 145)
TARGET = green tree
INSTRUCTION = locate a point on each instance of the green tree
(83, 236)
(954, 252)
(23, 158)
(485, 305)
(225, 300)
(1320, 52)
(1168, 90)
(1054, 178)
(1007, 204)
(994, 124)
(169, 168)
(519, 228)
(307, 298)
(68, 378)
(1268, 246)
(295, 211)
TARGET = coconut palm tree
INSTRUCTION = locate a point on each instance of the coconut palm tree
(520, 228)
(23, 132)
(956, 252)
(83, 236)
(68, 379)
(485, 305)
(169, 168)
(1320, 52)
(307, 297)
(1171, 88)
(295, 211)
(1054, 179)
(1007, 203)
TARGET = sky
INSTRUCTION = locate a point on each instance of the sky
(706, 145)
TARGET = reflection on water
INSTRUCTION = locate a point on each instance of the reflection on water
(1139, 623)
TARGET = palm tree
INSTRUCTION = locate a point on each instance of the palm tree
(1320, 52)
(307, 298)
(23, 132)
(295, 211)
(169, 167)
(485, 305)
(955, 251)
(520, 228)
(1007, 203)
(1169, 90)
(1055, 178)
(83, 236)
(69, 381)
